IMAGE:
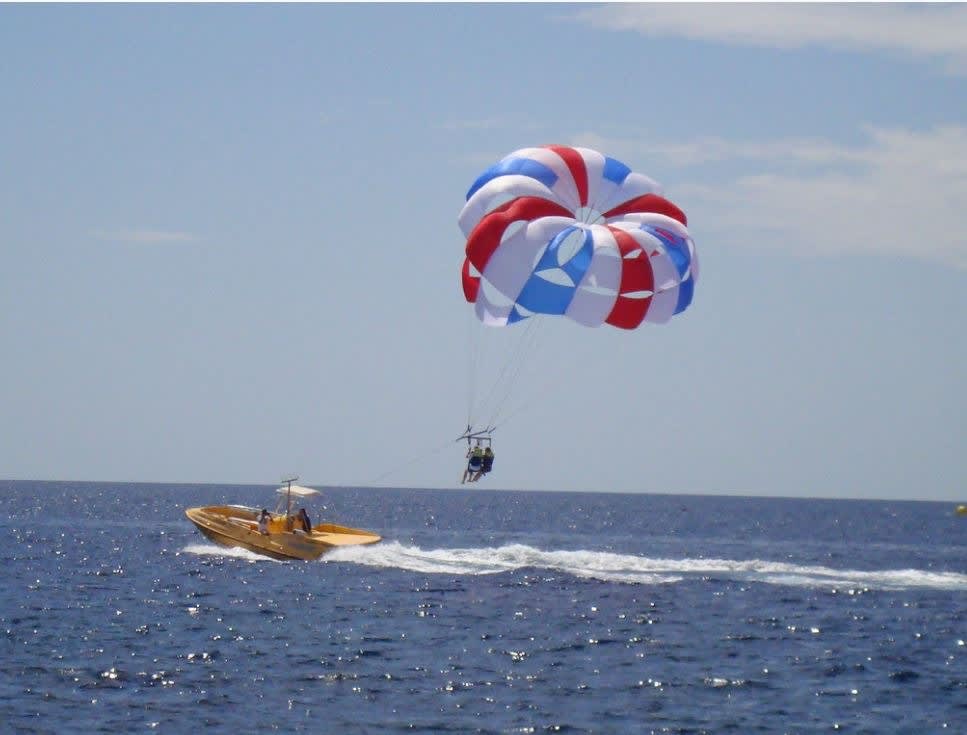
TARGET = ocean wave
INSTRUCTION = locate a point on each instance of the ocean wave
(632, 569)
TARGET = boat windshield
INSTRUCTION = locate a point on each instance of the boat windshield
(289, 492)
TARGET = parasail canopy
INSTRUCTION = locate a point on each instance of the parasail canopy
(571, 232)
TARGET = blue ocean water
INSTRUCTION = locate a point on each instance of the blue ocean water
(484, 611)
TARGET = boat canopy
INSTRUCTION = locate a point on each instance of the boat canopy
(298, 490)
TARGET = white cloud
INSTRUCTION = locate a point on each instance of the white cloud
(921, 30)
(713, 149)
(145, 236)
(898, 192)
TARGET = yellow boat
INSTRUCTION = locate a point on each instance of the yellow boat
(961, 510)
(281, 535)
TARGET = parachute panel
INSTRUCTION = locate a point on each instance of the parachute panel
(595, 296)
(512, 263)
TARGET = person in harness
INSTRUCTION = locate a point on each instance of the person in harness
(474, 465)
(488, 462)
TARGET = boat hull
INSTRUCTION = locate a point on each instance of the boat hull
(237, 526)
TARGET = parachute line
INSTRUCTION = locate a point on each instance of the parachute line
(508, 374)
(413, 459)
(513, 368)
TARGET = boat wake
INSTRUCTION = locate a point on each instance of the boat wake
(234, 552)
(631, 569)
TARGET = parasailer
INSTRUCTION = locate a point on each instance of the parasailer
(564, 231)
(488, 462)
(475, 457)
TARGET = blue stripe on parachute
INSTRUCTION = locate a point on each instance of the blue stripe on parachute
(685, 291)
(519, 166)
(544, 297)
(615, 170)
(579, 263)
(677, 248)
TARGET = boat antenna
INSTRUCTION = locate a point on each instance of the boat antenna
(287, 481)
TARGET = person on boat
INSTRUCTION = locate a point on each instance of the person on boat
(264, 522)
(304, 520)
(475, 456)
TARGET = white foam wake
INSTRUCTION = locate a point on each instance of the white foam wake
(214, 550)
(632, 569)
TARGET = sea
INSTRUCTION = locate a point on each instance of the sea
(483, 611)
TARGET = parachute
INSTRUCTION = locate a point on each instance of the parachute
(560, 231)
(571, 232)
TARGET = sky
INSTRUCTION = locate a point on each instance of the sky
(229, 249)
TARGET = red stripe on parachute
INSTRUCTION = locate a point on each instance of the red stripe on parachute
(636, 276)
(575, 164)
(648, 203)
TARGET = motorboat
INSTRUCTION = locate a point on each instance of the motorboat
(280, 534)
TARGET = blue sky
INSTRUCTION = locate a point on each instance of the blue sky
(230, 249)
